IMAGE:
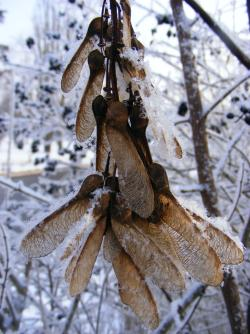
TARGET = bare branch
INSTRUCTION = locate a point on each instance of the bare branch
(71, 315)
(19, 186)
(225, 94)
(225, 38)
(238, 192)
(194, 292)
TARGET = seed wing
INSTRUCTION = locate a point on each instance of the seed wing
(194, 252)
(102, 148)
(85, 121)
(133, 289)
(161, 240)
(225, 247)
(126, 23)
(151, 262)
(49, 233)
(134, 181)
(72, 72)
(84, 264)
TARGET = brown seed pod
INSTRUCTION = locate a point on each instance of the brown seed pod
(126, 30)
(139, 123)
(91, 183)
(99, 107)
(85, 121)
(194, 251)
(134, 181)
(151, 261)
(51, 231)
(226, 248)
(72, 72)
(133, 289)
(84, 264)
(48, 234)
(159, 178)
(117, 115)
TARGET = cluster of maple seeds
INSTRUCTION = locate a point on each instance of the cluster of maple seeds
(147, 233)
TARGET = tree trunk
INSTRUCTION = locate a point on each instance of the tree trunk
(198, 123)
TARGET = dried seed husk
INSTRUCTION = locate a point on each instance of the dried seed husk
(85, 262)
(133, 289)
(51, 231)
(194, 251)
(99, 107)
(150, 260)
(85, 121)
(139, 123)
(126, 9)
(225, 247)
(134, 182)
(48, 234)
(72, 72)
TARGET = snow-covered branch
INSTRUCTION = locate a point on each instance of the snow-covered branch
(19, 186)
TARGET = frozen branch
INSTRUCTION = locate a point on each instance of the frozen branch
(189, 315)
(71, 315)
(228, 150)
(225, 94)
(237, 193)
(6, 269)
(19, 186)
(225, 38)
(246, 233)
(183, 303)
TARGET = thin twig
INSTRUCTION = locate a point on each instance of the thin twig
(101, 300)
(225, 38)
(71, 314)
(6, 269)
(195, 291)
(238, 193)
(188, 317)
(225, 94)
(19, 186)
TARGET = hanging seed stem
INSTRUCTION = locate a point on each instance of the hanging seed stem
(113, 8)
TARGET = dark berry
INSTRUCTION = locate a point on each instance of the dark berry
(235, 99)
(72, 24)
(30, 42)
(72, 157)
(66, 47)
(230, 115)
(247, 119)
(164, 19)
(77, 148)
(19, 145)
(244, 110)
(183, 109)
(55, 65)
(56, 36)
(153, 31)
